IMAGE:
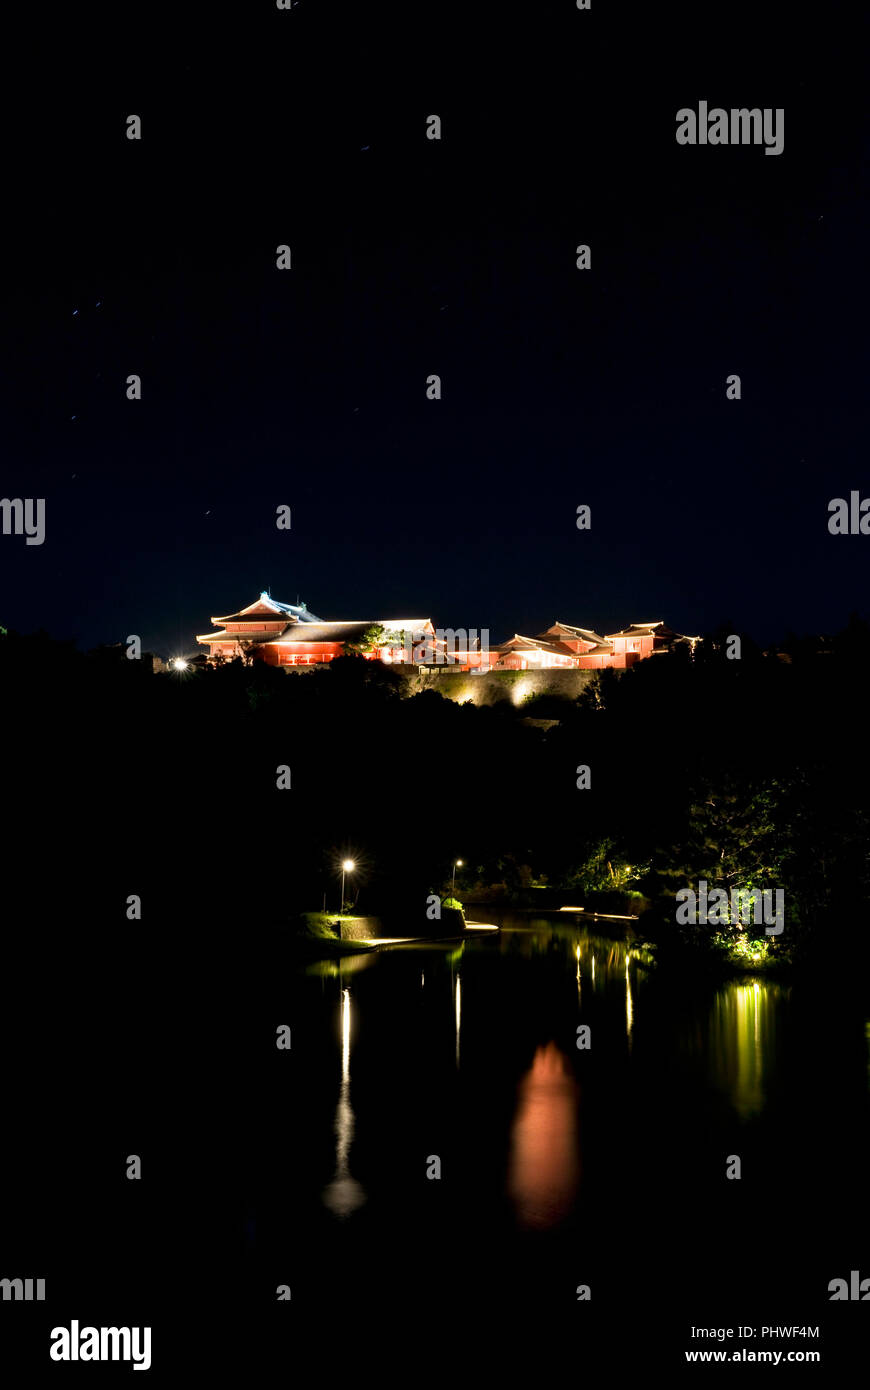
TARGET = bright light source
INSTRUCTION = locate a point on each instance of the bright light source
(459, 863)
(348, 865)
(180, 664)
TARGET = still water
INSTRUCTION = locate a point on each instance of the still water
(557, 1166)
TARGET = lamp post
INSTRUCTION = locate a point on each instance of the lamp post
(347, 867)
(457, 864)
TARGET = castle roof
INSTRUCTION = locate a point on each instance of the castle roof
(267, 608)
(582, 634)
(321, 632)
(586, 633)
(533, 644)
(311, 630)
(663, 635)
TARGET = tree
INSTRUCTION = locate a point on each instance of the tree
(370, 640)
(737, 835)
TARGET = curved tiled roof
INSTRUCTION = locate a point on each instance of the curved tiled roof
(267, 607)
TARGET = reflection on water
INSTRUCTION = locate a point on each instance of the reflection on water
(549, 978)
(458, 1014)
(344, 1194)
(337, 969)
(629, 1008)
(544, 1171)
(742, 1032)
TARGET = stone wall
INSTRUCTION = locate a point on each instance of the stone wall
(489, 689)
(496, 686)
(361, 928)
(408, 922)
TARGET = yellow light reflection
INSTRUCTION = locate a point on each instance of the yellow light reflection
(742, 1027)
(629, 1008)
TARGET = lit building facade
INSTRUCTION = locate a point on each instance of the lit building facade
(565, 647)
(285, 634)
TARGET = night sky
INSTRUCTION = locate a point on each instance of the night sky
(409, 257)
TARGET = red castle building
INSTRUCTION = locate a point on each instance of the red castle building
(565, 647)
(286, 634)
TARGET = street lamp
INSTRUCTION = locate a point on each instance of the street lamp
(457, 864)
(347, 867)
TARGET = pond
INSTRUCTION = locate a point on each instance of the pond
(436, 1131)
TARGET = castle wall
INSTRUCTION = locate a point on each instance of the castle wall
(495, 686)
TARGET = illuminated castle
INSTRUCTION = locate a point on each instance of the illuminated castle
(563, 647)
(286, 634)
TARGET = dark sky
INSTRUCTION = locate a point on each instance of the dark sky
(308, 387)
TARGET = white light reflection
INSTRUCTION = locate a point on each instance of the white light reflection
(345, 1038)
(458, 1009)
(344, 1194)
